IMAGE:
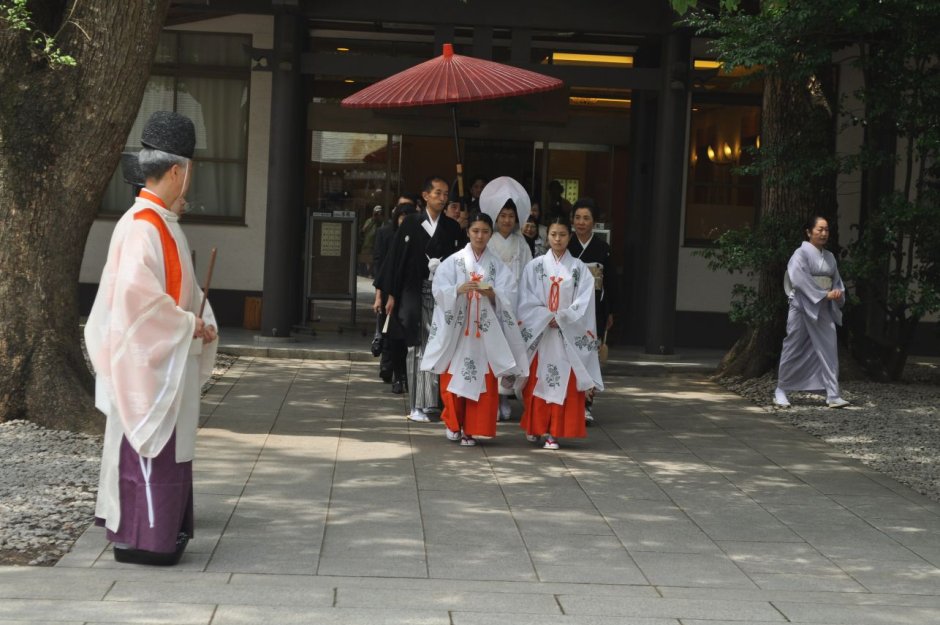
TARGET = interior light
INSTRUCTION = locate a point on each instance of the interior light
(727, 150)
(711, 154)
(342, 49)
(349, 81)
(706, 64)
(610, 102)
(572, 58)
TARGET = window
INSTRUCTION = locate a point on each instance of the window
(204, 76)
(352, 171)
(719, 198)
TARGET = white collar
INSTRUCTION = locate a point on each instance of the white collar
(166, 213)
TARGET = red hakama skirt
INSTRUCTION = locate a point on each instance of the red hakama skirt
(541, 417)
(475, 418)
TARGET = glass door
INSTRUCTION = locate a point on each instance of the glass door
(563, 172)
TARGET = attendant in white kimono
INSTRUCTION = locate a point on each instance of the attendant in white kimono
(475, 336)
(151, 353)
(556, 308)
(809, 360)
(504, 199)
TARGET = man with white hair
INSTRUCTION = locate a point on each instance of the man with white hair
(151, 351)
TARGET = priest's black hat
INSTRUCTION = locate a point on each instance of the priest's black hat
(130, 169)
(170, 132)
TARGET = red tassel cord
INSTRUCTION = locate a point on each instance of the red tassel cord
(471, 296)
(553, 293)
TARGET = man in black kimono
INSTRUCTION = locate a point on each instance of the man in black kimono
(421, 243)
(392, 365)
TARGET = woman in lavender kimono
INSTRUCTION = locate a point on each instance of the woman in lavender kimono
(474, 335)
(809, 360)
(556, 308)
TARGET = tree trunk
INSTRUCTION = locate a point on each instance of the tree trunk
(795, 127)
(61, 133)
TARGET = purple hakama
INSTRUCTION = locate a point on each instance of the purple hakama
(171, 488)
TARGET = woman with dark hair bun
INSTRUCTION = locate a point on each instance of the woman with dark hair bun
(474, 335)
(809, 359)
(556, 308)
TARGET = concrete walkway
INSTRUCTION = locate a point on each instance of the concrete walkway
(317, 502)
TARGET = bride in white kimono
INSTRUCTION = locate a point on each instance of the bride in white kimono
(809, 359)
(504, 199)
(556, 308)
(474, 336)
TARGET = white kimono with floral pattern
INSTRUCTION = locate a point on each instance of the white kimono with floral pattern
(573, 345)
(454, 344)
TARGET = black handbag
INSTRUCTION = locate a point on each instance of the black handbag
(377, 340)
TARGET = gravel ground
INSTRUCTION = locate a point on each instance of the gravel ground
(48, 481)
(892, 427)
(48, 478)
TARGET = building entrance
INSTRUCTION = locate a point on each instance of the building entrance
(350, 174)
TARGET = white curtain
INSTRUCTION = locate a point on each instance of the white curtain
(219, 110)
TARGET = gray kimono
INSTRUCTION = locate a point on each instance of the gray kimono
(809, 360)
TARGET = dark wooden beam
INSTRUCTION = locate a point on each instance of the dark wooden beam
(603, 16)
(629, 17)
(366, 66)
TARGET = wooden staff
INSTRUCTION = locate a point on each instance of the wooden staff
(205, 290)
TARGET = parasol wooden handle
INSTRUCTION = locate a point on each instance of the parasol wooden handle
(205, 290)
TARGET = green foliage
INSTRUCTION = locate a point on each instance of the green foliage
(683, 6)
(749, 251)
(15, 16)
(895, 260)
(893, 44)
(908, 235)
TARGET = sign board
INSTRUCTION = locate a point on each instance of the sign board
(331, 258)
(602, 233)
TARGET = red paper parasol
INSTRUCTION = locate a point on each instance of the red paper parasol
(450, 79)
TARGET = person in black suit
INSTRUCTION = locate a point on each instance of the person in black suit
(421, 243)
(392, 365)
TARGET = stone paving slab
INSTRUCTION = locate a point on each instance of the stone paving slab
(49, 611)
(252, 615)
(715, 609)
(468, 618)
(318, 502)
(6, 622)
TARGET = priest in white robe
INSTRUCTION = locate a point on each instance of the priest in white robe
(151, 353)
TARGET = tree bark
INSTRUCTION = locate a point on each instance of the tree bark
(794, 125)
(61, 133)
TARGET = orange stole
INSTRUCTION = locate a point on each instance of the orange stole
(171, 254)
(475, 418)
(541, 417)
